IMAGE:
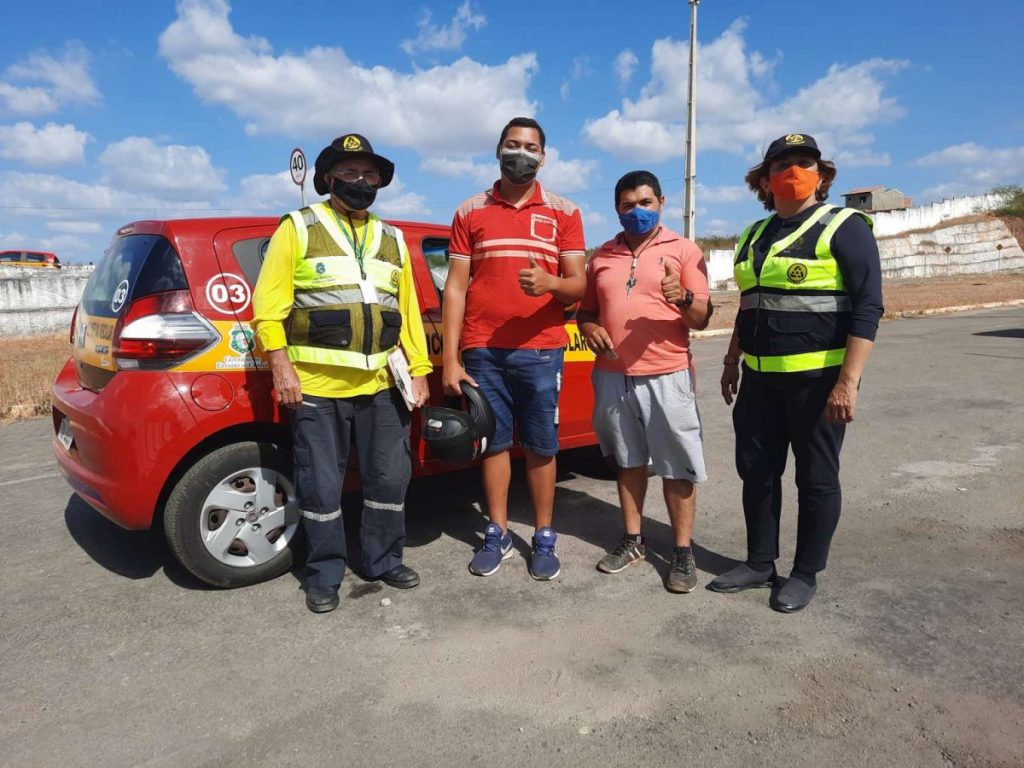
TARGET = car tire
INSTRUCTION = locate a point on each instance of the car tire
(232, 518)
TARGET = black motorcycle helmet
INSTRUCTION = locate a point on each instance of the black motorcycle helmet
(457, 436)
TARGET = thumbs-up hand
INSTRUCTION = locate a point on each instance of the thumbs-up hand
(534, 281)
(671, 288)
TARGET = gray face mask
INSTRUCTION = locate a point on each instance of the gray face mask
(519, 166)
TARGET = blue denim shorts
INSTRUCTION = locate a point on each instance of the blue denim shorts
(522, 386)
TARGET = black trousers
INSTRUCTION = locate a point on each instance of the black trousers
(322, 432)
(776, 411)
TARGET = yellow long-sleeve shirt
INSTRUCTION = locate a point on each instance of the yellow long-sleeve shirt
(272, 302)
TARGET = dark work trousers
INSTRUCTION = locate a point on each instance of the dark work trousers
(773, 412)
(322, 432)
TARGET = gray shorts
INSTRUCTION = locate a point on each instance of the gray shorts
(637, 418)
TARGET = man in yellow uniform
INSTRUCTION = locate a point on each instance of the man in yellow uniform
(334, 301)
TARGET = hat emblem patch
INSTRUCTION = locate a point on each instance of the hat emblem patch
(796, 273)
(352, 144)
(795, 138)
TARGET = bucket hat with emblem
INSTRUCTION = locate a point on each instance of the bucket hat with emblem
(350, 145)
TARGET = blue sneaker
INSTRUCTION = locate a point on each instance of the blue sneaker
(544, 564)
(496, 547)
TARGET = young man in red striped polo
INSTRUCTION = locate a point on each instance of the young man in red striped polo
(523, 248)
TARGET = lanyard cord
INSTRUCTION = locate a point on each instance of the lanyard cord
(636, 257)
(358, 248)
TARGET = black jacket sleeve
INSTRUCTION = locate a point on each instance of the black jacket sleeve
(856, 253)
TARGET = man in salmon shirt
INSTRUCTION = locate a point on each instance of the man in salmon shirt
(523, 248)
(646, 288)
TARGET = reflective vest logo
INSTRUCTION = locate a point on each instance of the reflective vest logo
(395, 276)
(794, 138)
(320, 268)
(796, 273)
(352, 144)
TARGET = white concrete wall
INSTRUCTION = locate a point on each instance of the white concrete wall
(720, 269)
(37, 301)
(926, 216)
(975, 248)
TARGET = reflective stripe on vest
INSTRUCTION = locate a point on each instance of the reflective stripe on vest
(804, 361)
(807, 281)
(344, 313)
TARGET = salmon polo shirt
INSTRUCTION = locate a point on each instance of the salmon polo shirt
(648, 333)
(497, 238)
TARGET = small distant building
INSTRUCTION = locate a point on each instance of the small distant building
(875, 199)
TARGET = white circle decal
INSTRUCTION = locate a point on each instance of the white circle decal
(228, 293)
(120, 296)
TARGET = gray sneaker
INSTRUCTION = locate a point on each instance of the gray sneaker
(624, 555)
(682, 576)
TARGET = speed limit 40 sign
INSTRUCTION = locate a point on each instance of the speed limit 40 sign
(297, 166)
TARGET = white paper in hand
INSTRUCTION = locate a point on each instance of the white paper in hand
(403, 380)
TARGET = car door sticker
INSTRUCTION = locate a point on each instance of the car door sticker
(228, 293)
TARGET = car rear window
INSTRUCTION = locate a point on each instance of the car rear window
(250, 254)
(435, 253)
(134, 266)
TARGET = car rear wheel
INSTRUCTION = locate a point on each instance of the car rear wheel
(232, 517)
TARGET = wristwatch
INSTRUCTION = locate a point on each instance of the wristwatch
(687, 299)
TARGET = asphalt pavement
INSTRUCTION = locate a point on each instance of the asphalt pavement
(911, 654)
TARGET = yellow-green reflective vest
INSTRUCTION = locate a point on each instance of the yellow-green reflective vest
(794, 316)
(345, 313)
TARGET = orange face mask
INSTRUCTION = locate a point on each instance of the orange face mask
(794, 183)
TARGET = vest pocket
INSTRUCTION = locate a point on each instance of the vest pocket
(330, 328)
(391, 327)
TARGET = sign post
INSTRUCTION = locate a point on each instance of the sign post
(297, 168)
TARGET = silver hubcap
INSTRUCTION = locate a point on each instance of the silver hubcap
(249, 517)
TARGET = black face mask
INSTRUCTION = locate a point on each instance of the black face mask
(357, 195)
(519, 166)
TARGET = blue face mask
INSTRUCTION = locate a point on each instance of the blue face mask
(639, 221)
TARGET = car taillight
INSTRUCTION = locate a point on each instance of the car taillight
(160, 331)
(74, 322)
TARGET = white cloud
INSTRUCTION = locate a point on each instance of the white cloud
(625, 65)
(736, 193)
(580, 69)
(561, 176)
(866, 158)
(718, 227)
(52, 196)
(461, 107)
(484, 174)
(975, 169)
(395, 202)
(173, 171)
(732, 113)
(449, 37)
(75, 227)
(566, 176)
(63, 81)
(50, 145)
(274, 192)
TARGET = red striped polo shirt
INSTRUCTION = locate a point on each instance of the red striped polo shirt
(497, 238)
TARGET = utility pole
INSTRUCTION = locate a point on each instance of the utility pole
(689, 202)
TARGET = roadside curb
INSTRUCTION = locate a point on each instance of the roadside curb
(907, 313)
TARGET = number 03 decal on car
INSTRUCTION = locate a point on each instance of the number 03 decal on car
(228, 293)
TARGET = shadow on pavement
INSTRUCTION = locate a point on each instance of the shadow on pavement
(1005, 333)
(131, 554)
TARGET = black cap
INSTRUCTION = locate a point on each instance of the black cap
(342, 148)
(793, 142)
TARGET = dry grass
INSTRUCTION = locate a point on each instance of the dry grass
(28, 366)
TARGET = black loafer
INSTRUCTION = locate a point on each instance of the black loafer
(400, 577)
(322, 599)
(742, 577)
(793, 596)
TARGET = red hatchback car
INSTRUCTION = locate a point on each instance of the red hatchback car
(164, 413)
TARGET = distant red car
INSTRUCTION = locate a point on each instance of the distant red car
(29, 259)
(164, 412)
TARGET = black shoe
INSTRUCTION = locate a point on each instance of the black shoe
(793, 596)
(743, 577)
(400, 577)
(322, 599)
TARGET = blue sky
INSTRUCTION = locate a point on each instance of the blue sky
(116, 111)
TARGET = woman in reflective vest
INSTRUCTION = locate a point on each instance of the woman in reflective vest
(810, 300)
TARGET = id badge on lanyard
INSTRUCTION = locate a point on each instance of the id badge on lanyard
(369, 292)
